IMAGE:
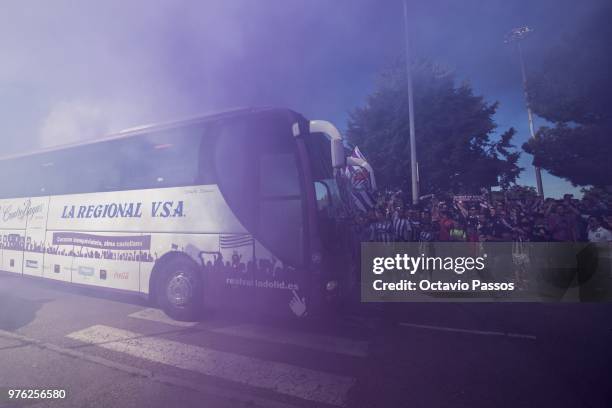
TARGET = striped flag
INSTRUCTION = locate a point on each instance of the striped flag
(358, 176)
(363, 200)
(360, 179)
(230, 241)
(361, 184)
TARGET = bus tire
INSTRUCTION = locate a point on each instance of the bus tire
(179, 292)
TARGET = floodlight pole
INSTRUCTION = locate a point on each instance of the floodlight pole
(413, 155)
(538, 172)
(516, 35)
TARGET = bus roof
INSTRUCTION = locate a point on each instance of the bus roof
(137, 130)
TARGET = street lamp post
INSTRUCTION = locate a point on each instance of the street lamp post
(413, 156)
(515, 36)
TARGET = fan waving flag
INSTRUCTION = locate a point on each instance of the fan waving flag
(360, 179)
(360, 182)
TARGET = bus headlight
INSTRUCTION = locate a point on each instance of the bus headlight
(331, 285)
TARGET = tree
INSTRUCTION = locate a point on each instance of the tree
(571, 88)
(454, 131)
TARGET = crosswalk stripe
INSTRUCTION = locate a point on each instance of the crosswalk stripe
(157, 315)
(318, 342)
(283, 378)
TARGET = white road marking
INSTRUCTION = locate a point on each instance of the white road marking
(157, 315)
(458, 330)
(279, 377)
(318, 342)
(240, 397)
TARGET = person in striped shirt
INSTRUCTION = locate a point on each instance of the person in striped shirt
(383, 228)
(415, 224)
(402, 231)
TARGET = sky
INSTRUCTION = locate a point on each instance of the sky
(75, 70)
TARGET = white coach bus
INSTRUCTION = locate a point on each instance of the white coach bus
(230, 211)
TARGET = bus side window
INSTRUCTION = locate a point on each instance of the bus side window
(111, 180)
(235, 168)
(279, 175)
(84, 169)
(206, 159)
(162, 159)
(19, 178)
(323, 196)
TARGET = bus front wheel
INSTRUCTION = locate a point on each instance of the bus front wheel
(180, 290)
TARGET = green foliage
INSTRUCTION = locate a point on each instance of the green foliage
(597, 194)
(580, 154)
(571, 88)
(453, 133)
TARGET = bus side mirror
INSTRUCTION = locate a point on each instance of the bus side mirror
(337, 147)
(337, 154)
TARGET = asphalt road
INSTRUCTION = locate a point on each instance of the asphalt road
(115, 351)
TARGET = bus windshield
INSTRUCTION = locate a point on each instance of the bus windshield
(329, 198)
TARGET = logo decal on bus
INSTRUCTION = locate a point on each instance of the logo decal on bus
(113, 210)
(30, 263)
(121, 275)
(159, 209)
(86, 271)
(26, 211)
(165, 209)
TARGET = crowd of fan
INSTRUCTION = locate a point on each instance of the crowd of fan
(525, 218)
